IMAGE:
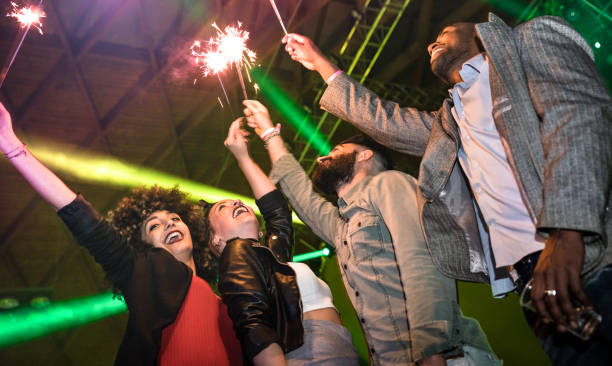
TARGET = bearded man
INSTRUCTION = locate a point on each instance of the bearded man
(516, 173)
(408, 310)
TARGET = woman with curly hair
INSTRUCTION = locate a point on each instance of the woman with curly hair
(153, 250)
(283, 314)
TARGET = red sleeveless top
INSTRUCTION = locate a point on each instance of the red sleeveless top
(202, 333)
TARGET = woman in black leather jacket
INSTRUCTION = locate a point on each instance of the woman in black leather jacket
(260, 287)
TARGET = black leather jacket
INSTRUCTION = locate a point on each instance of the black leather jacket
(259, 288)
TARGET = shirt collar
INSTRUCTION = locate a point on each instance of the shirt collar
(353, 193)
(470, 71)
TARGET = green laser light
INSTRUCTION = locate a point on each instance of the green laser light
(28, 323)
(597, 45)
(316, 254)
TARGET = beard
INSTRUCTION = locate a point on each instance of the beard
(449, 61)
(333, 173)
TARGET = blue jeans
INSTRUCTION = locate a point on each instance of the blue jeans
(325, 344)
(566, 349)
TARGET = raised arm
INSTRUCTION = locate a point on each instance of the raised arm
(90, 229)
(236, 142)
(272, 205)
(400, 128)
(44, 182)
(319, 214)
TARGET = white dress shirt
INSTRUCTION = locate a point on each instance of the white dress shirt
(482, 156)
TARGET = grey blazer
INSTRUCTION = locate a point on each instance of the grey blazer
(553, 113)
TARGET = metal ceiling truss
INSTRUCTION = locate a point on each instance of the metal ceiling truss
(360, 51)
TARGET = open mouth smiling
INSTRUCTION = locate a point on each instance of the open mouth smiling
(436, 52)
(173, 237)
(239, 211)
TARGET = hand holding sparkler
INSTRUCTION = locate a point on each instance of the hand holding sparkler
(303, 50)
(257, 116)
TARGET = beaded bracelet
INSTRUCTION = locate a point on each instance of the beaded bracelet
(269, 131)
(269, 137)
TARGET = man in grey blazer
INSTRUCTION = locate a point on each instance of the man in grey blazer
(515, 178)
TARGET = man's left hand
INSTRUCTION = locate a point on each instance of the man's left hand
(557, 286)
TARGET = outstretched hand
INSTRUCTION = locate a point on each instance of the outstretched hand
(257, 116)
(8, 140)
(557, 286)
(236, 140)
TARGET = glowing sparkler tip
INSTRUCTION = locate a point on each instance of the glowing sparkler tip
(27, 16)
(227, 49)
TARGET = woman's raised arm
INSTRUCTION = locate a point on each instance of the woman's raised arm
(236, 142)
(47, 184)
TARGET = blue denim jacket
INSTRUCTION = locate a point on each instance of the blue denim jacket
(407, 308)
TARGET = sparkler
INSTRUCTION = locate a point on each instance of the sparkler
(27, 16)
(278, 16)
(231, 43)
(212, 61)
(227, 50)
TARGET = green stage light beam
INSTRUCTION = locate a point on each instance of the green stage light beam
(94, 168)
(24, 324)
(316, 254)
(294, 114)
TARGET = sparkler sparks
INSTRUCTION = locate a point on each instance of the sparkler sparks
(225, 51)
(231, 43)
(212, 61)
(27, 16)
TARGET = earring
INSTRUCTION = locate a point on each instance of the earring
(260, 234)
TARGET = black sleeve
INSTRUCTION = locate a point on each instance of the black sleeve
(279, 231)
(243, 282)
(107, 247)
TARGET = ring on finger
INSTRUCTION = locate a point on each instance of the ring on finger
(550, 292)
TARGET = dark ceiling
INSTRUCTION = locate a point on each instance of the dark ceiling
(111, 77)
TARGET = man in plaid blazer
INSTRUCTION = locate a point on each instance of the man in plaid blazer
(515, 178)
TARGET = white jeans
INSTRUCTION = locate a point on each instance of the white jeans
(475, 357)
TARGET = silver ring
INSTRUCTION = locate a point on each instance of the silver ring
(550, 292)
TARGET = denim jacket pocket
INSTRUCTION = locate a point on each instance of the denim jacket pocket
(365, 237)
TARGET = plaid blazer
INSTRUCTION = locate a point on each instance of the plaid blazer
(553, 113)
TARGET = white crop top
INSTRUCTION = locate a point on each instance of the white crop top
(314, 292)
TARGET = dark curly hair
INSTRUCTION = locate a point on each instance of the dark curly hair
(141, 202)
